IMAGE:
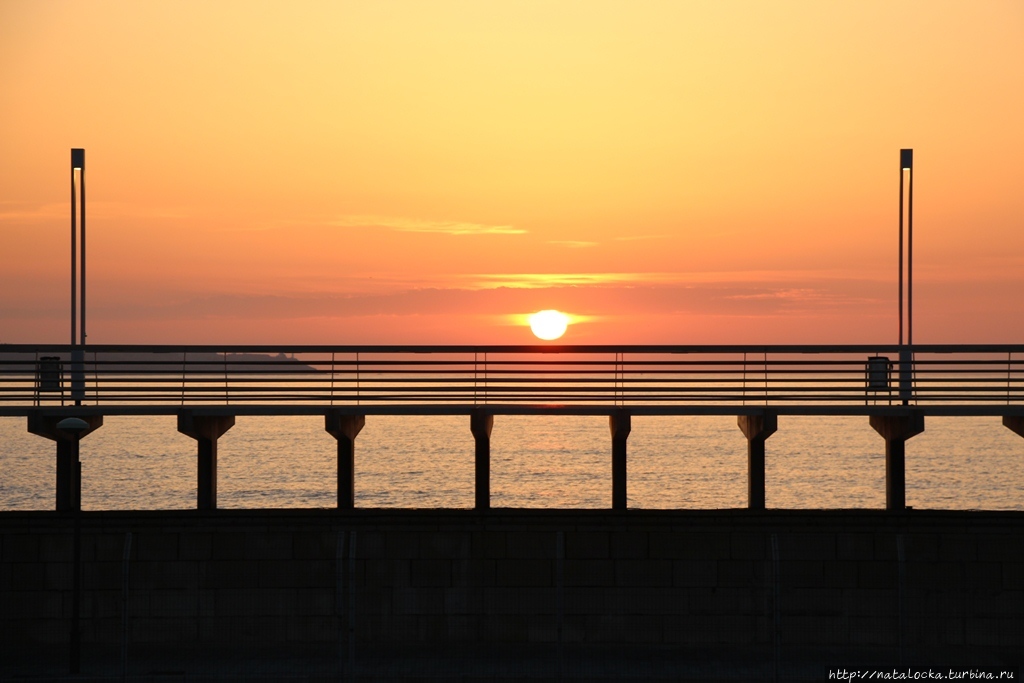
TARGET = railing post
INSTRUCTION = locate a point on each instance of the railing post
(757, 429)
(896, 429)
(620, 423)
(480, 424)
(345, 428)
(205, 429)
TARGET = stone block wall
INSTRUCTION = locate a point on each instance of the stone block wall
(847, 587)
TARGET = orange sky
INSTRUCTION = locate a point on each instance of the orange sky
(428, 172)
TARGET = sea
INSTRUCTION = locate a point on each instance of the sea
(546, 461)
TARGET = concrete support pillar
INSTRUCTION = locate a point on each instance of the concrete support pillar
(757, 429)
(69, 468)
(620, 423)
(1015, 423)
(896, 429)
(205, 429)
(481, 423)
(345, 428)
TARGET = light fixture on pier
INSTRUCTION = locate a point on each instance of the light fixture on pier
(907, 182)
(77, 272)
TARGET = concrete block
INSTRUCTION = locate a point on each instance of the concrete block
(747, 546)
(1013, 575)
(985, 631)
(629, 545)
(802, 573)
(444, 545)
(710, 602)
(873, 630)
(42, 631)
(877, 574)
(138, 603)
(400, 544)
(490, 544)
(690, 546)
(228, 574)
(585, 601)
(589, 573)
(369, 545)
(1000, 548)
(587, 545)
(645, 601)
(22, 548)
(430, 573)
(922, 548)
(952, 631)
(27, 576)
(158, 547)
(102, 575)
(227, 545)
(296, 573)
(695, 572)
(32, 604)
(839, 574)
(418, 601)
(431, 627)
(58, 575)
(387, 572)
(522, 572)
(505, 628)
(195, 546)
(314, 602)
(173, 603)
(179, 574)
(463, 628)
(743, 572)
(939, 575)
(624, 629)
(522, 600)
(462, 600)
(56, 548)
(643, 572)
(807, 546)
(146, 629)
(100, 547)
(323, 545)
(312, 629)
(530, 545)
(855, 546)
(268, 546)
(816, 630)
(885, 546)
(98, 605)
(823, 602)
(871, 602)
(962, 547)
(542, 632)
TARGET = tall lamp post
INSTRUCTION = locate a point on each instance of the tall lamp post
(906, 353)
(77, 273)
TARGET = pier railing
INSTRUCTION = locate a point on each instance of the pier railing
(653, 379)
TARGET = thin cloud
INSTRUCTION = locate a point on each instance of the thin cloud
(573, 244)
(633, 238)
(432, 227)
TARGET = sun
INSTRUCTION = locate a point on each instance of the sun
(549, 324)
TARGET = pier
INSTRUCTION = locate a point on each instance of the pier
(207, 387)
(492, 594)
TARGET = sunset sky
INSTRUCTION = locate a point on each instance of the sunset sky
(432, 171)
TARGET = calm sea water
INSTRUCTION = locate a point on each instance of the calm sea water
(537, 462)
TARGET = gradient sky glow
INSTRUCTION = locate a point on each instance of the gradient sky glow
(430, 172)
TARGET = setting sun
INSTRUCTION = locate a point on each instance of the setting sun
(549, 324)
